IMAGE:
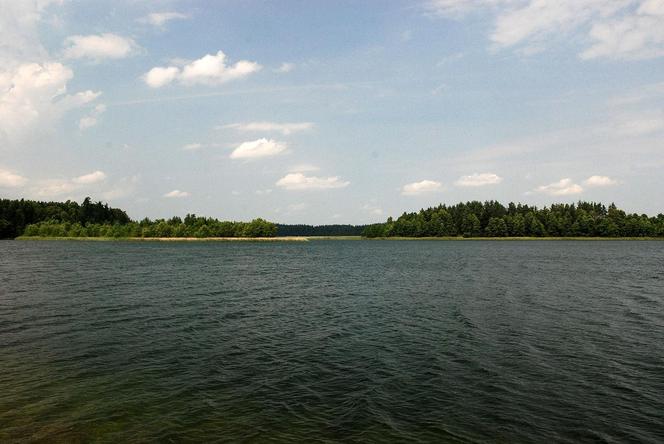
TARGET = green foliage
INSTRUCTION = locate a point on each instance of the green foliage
(497, 227)
(69, 219)
(199, 227)
(492, 219)
(16, 215)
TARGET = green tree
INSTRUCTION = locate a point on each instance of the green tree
(496, 227)
(471, 226)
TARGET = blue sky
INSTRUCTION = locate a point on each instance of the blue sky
(331, 112)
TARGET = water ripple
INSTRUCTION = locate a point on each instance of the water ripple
(331, 342)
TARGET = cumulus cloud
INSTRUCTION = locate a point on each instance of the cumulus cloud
(599, 181)
(283, 128)
(175, 194)
(35, 94)
(564, 187)
(9, 179)
(160, 19)
(299, 181)
(421, 187)
(258, 148)
(478, 180)
(99, 47)
(209, 70)
(86, 179)
(92, 119)
(158, 77)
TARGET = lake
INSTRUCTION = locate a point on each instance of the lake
(332, 341)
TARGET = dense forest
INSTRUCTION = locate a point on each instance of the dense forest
(15, 215)
(90, 219)
(320, 230)
(492, 219)
(470, 219)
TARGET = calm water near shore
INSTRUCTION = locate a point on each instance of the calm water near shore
(332, 341)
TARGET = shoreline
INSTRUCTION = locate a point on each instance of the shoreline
(168, 239)
(333, 238)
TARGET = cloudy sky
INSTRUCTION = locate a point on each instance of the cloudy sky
(331, 112)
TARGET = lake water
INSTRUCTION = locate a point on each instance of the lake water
(332, 341)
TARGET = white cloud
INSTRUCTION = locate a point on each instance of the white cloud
(298, 181)
(34, 94)
(258, 148)
(285, 67)
(303, 168)
(19, 32)
(212, 70)
(50, 188)
(209, 70)
(192, 146)
(564, 187)
(86, 179)
(58, 187)
(158, 77)
(176, 194)
(652, 7)
(92, 119)
(635, 36)
(9, 179)
(99, 47)
(618, 29)
(599, 181)
(421, 187)
(160, 19)
(283, 128)
(263, 192)
(478, 180)
(537, 19)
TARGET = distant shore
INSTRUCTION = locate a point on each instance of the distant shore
(339, 238)
(173, 239)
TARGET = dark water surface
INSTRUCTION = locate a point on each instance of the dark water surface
(332, 341)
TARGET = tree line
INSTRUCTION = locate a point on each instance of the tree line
(16, 215)
(320, 230)
(492, 219)
(90, 219)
